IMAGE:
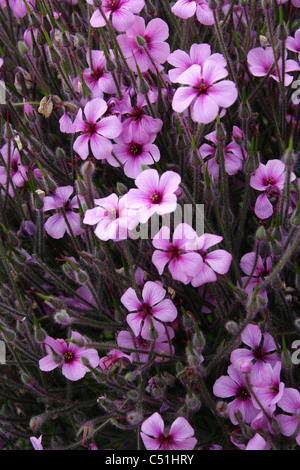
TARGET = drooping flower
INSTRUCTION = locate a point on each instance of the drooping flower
(199, 54)
(65, 123)
(216, 261)
(152, 308)
(121, 13)
(186, 8)
(17, 172)
(154, 193)
(293, 43)
(269, 388)
(145, 45)
(290, 403)
(61, 201)
(179, 437)
(113, 218)
(183, 263)
(258, 272)
(96, 77)
(206, 91)
(270, 179)
(261, 60)
(234, 386)
(233, 156)
(115, 356)
(134, 154)
(68, 355)
(19, 9)
(95, 131)
(36, 442)
(137, 124)
(162, 345)
(261, 350)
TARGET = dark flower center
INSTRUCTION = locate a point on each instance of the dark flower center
(90, 128)
(14, 166)
(274, 389)
(269, 180)
(146, 310)
(97, 73)
(113, 5)
(243, 393)
(68, 356)
(156, 197)
(202, 87)
(136, 149)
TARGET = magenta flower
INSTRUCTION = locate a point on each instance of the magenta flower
(216, 261)
(162, 345)
(95, 131)
(154, 193)
(269, 389)
(270, 179)
(186, 8)
(199, 54)
(290, 403)
(262, 270)
(153, 305)
(261, 350)
(261, 60)
(68, 355)
(56, 225)
(234, 386)
(206, 91)
(138, 125)
(233, 156)
(183, 263)
(36, 442)
(17, 171)
(119, 12)
(113, 218)
(145, 45)
(134, 154)
(96, 77)
(257, 442)
(113, 357)
(19, 9)
(65, 123)
(293, 43)
(179, 436)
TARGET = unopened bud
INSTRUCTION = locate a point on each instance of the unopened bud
(260, 233)
(22, 47)
(231, 326)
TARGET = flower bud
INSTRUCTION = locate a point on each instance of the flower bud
(231, 326)
(22, 47)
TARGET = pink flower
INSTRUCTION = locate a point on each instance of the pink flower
(261, 270)
(56, 226)
(154, 193)
(68, 356)
(179, 437)
(162, 345)
(138, 125)
(261, 350)
(199, 54)
(182, 262)
(19, 9)
(234, 386)
(113, 218)
(145, 45)
(261, 60)
(95, 131)
(257, 442)
(98, 80)
(206, 91)
(233, 156)
(270, 179)
(17, 171)
(293, 43)
(290, 403)
(269, 389)
(153, 305)
(187, 8)
(113, 357)
(134, 154)
(65, 123)
(216, 261)
(36, 442)
(119, 12)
